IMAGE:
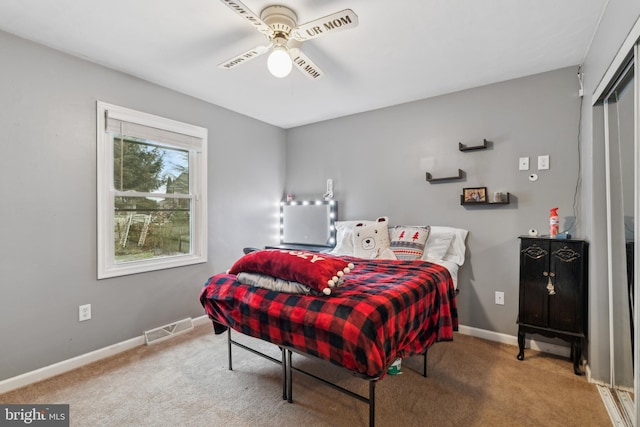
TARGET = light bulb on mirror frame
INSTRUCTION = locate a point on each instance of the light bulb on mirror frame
(279, 62)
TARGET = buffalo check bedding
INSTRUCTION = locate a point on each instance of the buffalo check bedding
(383, 309)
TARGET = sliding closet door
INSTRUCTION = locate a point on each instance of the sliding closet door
(621, 120)
(619, 125)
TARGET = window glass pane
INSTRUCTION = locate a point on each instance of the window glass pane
(144, 166)
(146, 228)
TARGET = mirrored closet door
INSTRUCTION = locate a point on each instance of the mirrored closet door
(621, 118)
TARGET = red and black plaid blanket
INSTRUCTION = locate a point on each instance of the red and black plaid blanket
(385, 309)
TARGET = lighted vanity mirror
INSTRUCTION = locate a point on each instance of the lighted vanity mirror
(308, 222)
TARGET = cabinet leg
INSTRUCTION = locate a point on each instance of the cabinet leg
(521, 345)
(576, 353)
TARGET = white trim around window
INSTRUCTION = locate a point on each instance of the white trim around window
(164, 134)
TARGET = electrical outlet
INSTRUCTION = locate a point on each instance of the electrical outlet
(84, 312)
(543, 162)
(499, 298)
(523, 164)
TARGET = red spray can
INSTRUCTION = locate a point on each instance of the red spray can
(553, 223)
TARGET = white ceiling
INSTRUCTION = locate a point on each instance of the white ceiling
(401, 51)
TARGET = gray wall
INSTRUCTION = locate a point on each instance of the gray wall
(48, 210)
(617, 21)
(378, 162)
(377, 159)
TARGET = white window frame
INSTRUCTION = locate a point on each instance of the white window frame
(107, 266)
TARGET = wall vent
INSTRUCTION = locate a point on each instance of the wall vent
(162, 333)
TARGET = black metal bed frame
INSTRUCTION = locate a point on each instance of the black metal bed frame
(288, 368)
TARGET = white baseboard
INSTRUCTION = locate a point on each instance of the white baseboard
(555, 349)
(76, 362)
(84, 359)
(202, 320)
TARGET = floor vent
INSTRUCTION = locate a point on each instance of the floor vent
(165, 332)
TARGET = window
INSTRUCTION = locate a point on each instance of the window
(152, 176)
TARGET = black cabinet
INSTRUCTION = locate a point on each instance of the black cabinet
(553, 292)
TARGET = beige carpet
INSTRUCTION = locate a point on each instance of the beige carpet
(185, 382)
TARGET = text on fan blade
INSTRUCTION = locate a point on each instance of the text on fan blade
(311, 71)
(248, 15)
(330, 25)
(241, 59)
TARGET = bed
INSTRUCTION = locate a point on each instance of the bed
(375, 312)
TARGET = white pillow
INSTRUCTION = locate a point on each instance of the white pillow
(455, 251)
(344, 238)
(438, 244)
(458, 247)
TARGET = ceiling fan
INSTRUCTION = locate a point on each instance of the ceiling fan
(279, 25)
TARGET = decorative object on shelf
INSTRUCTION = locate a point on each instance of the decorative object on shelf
(446, 178)
(504, 200)
(463, 147)
(474, 195)
(497, 197)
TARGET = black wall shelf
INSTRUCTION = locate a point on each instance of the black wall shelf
(463, 147)
(446, 178)
(506, 199)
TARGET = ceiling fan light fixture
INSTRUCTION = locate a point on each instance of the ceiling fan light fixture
(279, 62)
(279, 24)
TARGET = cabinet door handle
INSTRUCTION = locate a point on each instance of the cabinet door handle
(550, 288)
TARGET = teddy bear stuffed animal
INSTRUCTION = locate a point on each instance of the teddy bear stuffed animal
(371, 239)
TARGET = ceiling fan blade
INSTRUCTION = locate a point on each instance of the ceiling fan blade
(304, 64)
(338, 21)
(241, 9)
(244, 57)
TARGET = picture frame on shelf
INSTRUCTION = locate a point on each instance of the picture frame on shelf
(474, 195)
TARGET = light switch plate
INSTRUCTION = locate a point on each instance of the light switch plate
(523, 164)
(543, 162)
(84, 312)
